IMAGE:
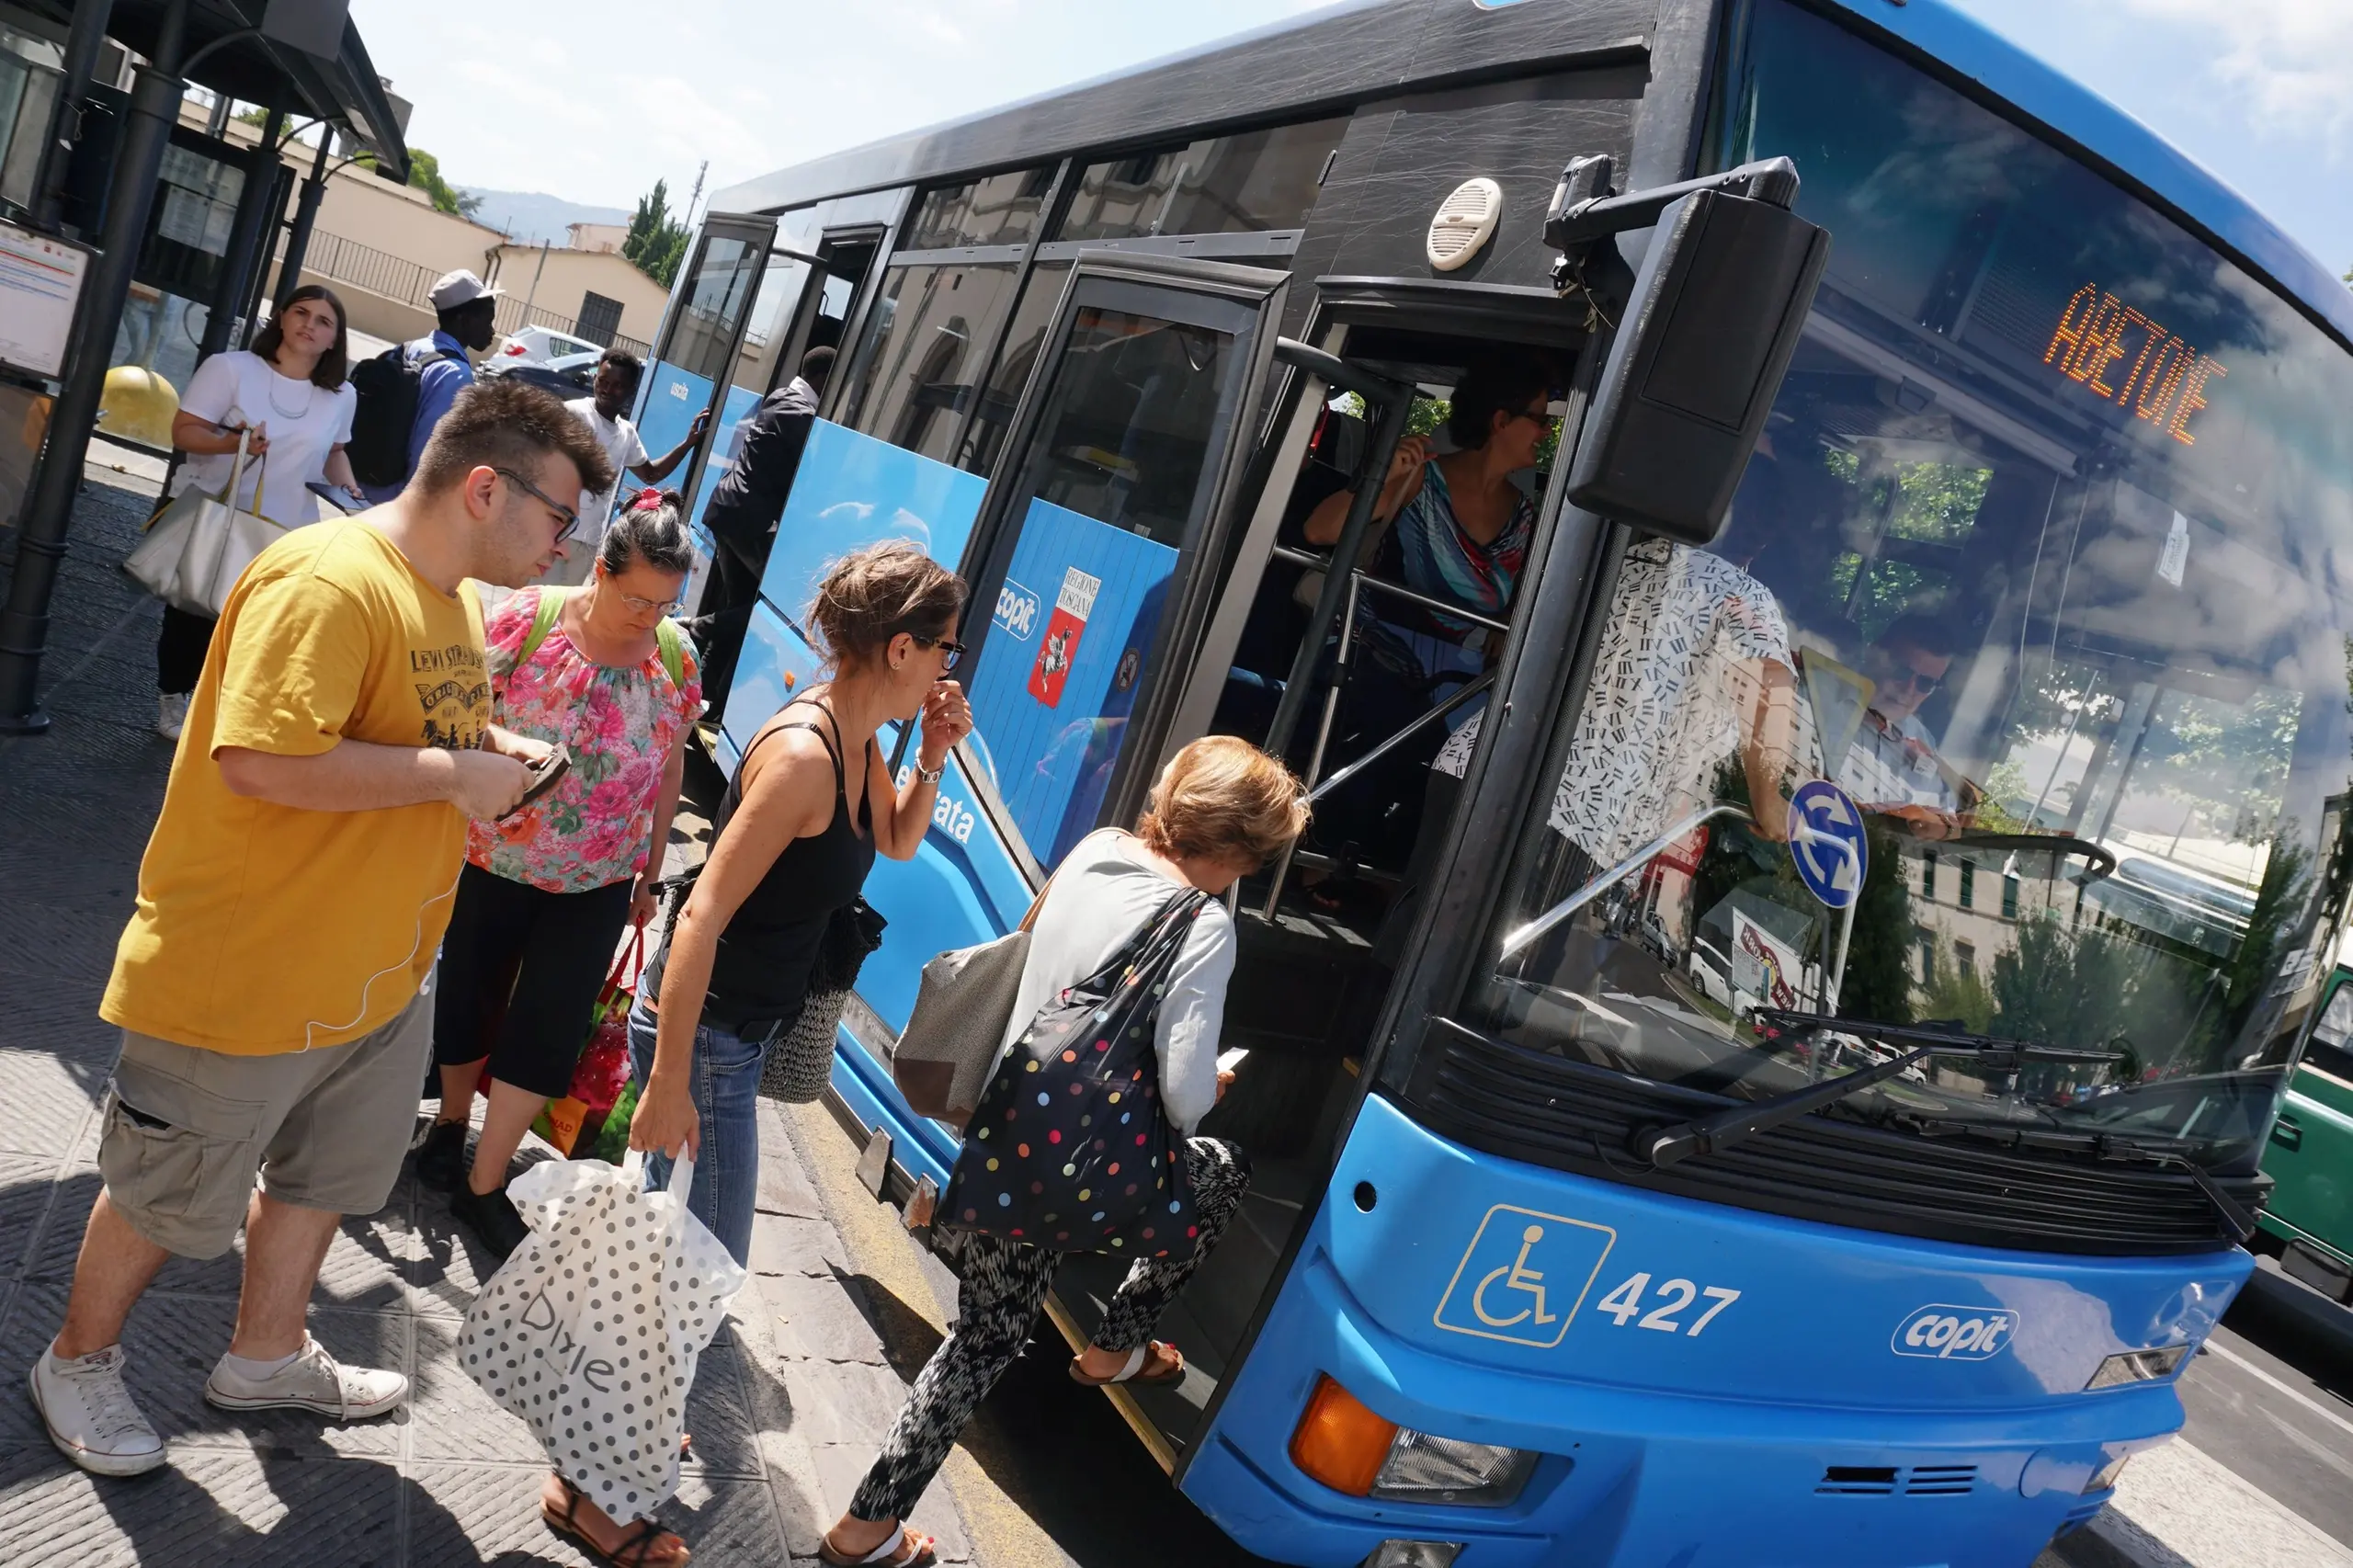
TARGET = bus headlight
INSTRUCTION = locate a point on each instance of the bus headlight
(1423, 1469)
(1352, 1450)
(2137, 1367)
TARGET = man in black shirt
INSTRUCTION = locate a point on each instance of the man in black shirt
(743, 516)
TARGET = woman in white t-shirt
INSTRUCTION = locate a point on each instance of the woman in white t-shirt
(290, 390)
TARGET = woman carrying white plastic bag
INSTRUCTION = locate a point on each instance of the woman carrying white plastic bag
(590, 1332)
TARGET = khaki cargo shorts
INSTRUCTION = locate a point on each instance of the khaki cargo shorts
(186, 1130)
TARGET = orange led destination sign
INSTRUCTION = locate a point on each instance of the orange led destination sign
(2166, 383)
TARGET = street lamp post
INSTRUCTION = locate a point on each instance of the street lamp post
(49, 509)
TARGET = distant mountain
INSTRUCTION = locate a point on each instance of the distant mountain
(531, 216)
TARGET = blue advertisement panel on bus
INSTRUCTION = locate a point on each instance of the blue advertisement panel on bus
(1073, 631)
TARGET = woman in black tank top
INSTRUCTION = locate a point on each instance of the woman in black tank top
(810, 804)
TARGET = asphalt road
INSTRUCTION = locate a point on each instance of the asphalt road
(2272, 1402)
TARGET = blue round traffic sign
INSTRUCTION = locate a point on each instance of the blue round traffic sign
(1828, 843)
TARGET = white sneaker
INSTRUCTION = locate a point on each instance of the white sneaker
(90, 1413)
(171, 713)
(314, 1380)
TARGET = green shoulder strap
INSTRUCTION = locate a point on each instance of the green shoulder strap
(672, 643)
(543, 622)
(666, 636)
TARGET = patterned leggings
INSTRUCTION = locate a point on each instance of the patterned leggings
(1004, 1289)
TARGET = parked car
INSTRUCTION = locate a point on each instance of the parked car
(540, 346)
(571, 376)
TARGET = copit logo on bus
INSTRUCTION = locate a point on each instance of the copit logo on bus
(1016, 610)
(1943, 1332)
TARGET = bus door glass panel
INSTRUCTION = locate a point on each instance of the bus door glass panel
(985, 437)
(757, 368)
(931, 326)
(2045, 600)
(706, 323)
(1135, 415)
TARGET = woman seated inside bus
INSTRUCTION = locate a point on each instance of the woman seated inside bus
(1460, 520)
(1220, 809)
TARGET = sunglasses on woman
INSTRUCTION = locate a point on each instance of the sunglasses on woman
(948, 645)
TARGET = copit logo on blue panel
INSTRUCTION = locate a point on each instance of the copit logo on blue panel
(1016, 610)
(1943, 1332)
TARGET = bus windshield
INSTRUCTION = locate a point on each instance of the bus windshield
(2043, 561)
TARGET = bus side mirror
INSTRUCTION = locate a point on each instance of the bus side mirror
(1707, 337)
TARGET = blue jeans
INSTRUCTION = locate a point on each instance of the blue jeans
(726, 1088)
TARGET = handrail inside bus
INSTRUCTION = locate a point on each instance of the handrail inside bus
(1517, 939)
(1315, 562)
(1484, 683)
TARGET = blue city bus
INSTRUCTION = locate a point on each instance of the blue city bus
(1764, 1055)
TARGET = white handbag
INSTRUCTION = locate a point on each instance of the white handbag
(591, 1330)
(201, 544)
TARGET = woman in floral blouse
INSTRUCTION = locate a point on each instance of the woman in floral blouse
(547, 891)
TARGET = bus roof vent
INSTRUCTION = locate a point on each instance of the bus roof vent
(1464, 222)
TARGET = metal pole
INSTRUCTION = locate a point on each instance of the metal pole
(1332, 695)
(82, 48)
(244, 239)
(533, 296)
(1396, 411)
(306, 212)
(281, 179)
(48, 510)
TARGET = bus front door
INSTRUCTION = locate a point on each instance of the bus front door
(1092, 556)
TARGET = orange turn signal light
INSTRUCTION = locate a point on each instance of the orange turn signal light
(1338, 1441)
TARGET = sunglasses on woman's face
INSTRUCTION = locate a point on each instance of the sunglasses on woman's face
(948, 645)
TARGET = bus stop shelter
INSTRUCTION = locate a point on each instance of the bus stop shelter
(303, 63)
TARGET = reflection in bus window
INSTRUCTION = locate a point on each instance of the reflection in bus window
(1039, 295)
(1226, 185)
(716, 299)
(997, 209)
(1117, 477)
(2076, 649)
(931, 327)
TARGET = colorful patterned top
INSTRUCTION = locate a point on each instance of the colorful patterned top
(1443, 562)
(597, 826)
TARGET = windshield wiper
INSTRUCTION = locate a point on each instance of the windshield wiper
(1664, 1146)
(2114, 1146)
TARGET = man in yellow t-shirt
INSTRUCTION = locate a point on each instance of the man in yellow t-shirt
(270, 984)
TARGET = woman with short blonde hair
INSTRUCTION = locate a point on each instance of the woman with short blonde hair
(1220, 809)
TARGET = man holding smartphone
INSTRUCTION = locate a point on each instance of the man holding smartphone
(271, 986)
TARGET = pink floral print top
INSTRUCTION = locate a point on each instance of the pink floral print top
(597, 826)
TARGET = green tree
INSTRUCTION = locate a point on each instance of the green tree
(424, 175)
(656, 243)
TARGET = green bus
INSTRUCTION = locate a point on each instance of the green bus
(2308, 1213)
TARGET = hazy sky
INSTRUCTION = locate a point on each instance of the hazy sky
(595, 100)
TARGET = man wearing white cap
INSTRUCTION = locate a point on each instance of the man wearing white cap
(468, 309)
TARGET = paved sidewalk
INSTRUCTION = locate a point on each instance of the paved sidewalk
(451, 1481)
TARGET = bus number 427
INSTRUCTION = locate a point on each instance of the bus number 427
(1675, 1298)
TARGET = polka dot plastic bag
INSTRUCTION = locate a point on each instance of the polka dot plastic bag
(1070, 1148)
(590, 1331)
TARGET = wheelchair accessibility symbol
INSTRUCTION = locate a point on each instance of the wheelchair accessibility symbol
(1523, 1277)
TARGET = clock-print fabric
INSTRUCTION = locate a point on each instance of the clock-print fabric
(1663, 710)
